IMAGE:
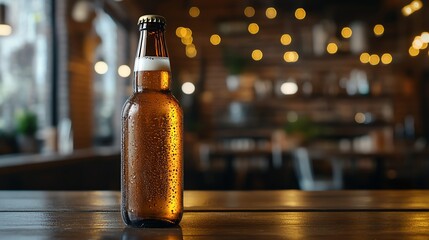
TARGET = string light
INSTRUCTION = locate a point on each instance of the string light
(378, 30)
(124, 71)
(291, 56)
(386, 58)
(271, 13)
(257, 54)
(249, 12)
(300, 13)
(289, 88)
(194, 12)
(332, 48)
(409, 9)
(374, 59)
(187, 40)
(185, 35)
(101, 67)
(364, 57)
(191, 51)
(285, 39)
(425, 37)
(346, 32)
(188, 88)
(188, 32)
(417, 42)
(253, 28)
(413, 52)
(180, 32)
(215, 39)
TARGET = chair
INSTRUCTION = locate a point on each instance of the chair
(306, 177)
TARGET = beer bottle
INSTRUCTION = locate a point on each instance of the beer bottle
(152, 136)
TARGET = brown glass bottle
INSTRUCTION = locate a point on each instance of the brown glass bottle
(152, 137)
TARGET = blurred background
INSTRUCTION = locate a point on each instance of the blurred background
(277, 94)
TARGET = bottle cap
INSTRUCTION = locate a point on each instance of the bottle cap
(151, 19)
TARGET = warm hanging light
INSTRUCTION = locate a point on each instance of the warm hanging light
(191, 51)
(289, 88)
(332, 48)
(413, 52)
(417, 42)
(425, 37)
(253, 28)
(124, 71)
(285, 39)
(386, 58)
(215, 39)
(374, 59)
(194, 12)
(409, 9)
(249, 11)
(290, 56)
(180, 32)
(188, 88)
(364, 57)
(300, 13)
(271, 13)
(346, 32)
(378, 30)
(101, 67)
(257, 54)
(5, 28)
(187, 40)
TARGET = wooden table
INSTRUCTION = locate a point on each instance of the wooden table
(286, 214)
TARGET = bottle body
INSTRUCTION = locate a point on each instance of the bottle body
(152, 153)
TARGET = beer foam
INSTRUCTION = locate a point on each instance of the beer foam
(150, 63)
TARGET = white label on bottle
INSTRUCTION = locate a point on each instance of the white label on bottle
(149, 63)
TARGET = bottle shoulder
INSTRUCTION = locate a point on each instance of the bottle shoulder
(151, 101)
(152, 96)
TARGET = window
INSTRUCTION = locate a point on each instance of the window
(26, 62)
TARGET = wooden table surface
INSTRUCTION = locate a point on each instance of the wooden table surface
(289, 214)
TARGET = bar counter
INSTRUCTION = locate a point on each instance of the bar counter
(284, 214)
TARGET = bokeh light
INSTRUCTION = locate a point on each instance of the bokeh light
(188, 88)
(386, 58)
(194, 12)
(101, 67)
(285, 39)
(124, 71)
(289, 88)
(271, 13)
(253, 28)
(346, 32)
(364, 57)
(257, 55)
(300, 13)
(215, 39)
(413, 52)
(291, 56)
(249, 11)
(374, 59)
(332, 48)
(378, 30)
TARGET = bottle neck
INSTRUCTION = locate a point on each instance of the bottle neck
(152, 65)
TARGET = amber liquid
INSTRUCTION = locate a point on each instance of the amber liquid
(152, 153)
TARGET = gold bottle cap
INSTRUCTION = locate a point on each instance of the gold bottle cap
(151, 19)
